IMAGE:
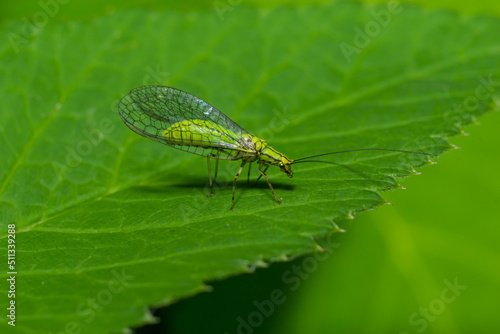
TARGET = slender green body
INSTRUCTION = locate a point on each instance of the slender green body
(249, 148)
(183, 121)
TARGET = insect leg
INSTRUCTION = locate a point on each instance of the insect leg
(216, 165)
(234, 183)
(261, 174)
(210, 170)
(210, 174)
(268, 182)
(249, 168)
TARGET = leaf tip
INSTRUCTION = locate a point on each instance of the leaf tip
(320, 249)
(337, 228)
(149, 318)
(257, 264)
(284, 258)
(207, 288)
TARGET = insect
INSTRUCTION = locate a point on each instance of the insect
(181, 120)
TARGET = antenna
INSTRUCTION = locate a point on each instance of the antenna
(355, 150)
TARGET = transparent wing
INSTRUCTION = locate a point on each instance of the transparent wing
(150, 110)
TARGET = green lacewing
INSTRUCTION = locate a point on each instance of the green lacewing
(183, 121)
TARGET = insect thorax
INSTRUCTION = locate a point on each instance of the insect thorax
(263, 153)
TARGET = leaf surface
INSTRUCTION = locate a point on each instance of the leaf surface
(109, 223)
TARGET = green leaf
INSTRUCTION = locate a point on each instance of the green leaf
(109, 223)
(484, 7)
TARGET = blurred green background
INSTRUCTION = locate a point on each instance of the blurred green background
(388, 271)
(84, 10)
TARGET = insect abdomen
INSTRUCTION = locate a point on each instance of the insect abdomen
(195, 133)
